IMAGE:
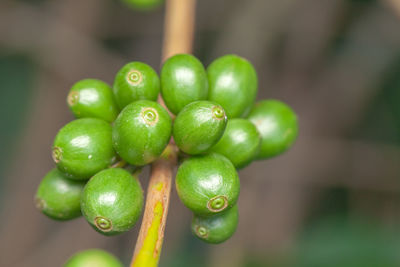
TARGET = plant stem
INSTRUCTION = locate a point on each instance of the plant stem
(119, 164)
(179, 27)
(178, 38)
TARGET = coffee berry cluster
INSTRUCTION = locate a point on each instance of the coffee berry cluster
(218, 129)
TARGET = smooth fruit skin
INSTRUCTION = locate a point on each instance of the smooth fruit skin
(83, 147)
(277, 124)
(240, 142)
(199, 126)
(59, 197)
(93, 258)
(112, 201)
(207, 184)
(92, 98)
(141, 132)
(143, 5)
(233, 85)
(135, 81)
(218, 228)
(183, 80)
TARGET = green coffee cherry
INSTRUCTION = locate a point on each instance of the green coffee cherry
(143, 5)
(277, 124)
(59, 197)
(207, 184)
(93, 258)
(218, 228)
(183, 80)
(199, 126)
(233, 85)
(135, 81)
(112, 201)
(141, 132)
(83, 147)
(240, 142)
(92, 99)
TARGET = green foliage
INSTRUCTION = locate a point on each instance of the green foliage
(382, 118)
(338, 242)
(189, 252)
(17, 83)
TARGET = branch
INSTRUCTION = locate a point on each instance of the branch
(394, 4)
(179, 28)
(151, 235)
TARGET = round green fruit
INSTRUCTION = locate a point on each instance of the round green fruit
(83, 147)
(277, 124)
(207, 184)
(59, 197)
(240, 142)
(92, 98)
(183, 80)
(199, 126)
(135, 81)
(112, 201)
(93, 258)
(141, 132)
(218, 228)
(233, 84)
(143, 5)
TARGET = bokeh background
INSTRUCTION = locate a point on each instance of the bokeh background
(333, 200)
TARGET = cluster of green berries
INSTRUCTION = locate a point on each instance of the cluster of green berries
(218, 129)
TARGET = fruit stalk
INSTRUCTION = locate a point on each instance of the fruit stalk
(178, 38)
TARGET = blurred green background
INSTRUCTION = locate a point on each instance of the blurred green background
(333, 200)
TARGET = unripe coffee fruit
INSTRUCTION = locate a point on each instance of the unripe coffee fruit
(135, 81)
(277, 124)
(141, 132)
(93, 258)
(207, 184)
(240, 142)
(199, 126)
(183, 80)
(232, 84)
(92, 98)
(112, 201)
(59, 197)
(83, 147)
(217, 228)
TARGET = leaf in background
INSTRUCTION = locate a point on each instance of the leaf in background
(16, 86)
